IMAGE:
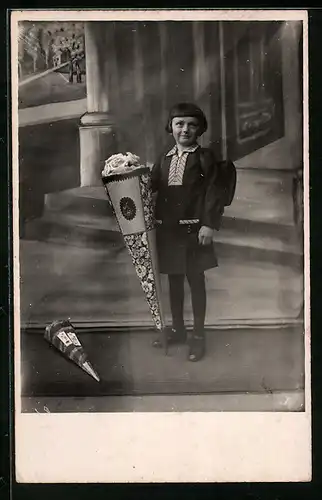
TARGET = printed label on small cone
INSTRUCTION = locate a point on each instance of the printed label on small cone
(64, 338)
(74, 339)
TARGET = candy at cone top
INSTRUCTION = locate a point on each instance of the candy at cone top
(120, 163)
(58, 324)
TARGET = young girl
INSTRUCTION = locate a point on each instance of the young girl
(188, 209)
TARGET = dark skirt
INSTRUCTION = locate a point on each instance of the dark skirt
(179, 251)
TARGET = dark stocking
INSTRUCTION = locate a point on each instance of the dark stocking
(198, 299)
(176, 289)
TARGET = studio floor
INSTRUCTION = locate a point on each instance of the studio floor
(243, 370)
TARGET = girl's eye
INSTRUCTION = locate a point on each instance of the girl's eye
(190, 125)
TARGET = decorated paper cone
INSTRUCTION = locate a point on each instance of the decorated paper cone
(61, 334)
(130, 195)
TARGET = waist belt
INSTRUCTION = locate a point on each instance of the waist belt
(182, 221)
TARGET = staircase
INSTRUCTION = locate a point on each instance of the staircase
(257, 226)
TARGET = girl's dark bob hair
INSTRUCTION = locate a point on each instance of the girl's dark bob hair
(187, 109)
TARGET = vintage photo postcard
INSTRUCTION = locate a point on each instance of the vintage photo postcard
(161, 246)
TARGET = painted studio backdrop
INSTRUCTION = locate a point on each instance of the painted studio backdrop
(88, 90)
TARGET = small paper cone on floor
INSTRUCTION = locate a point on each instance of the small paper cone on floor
(130, 195)
(62, 335)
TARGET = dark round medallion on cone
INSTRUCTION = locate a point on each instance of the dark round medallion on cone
(128, 208)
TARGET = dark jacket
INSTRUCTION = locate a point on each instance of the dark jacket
(197, 199)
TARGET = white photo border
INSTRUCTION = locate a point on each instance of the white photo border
(161, 447)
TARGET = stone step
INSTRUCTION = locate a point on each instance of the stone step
(259, 249)
(82, 200)
(246, 227)
(98, 231)
(268, 242)
(97, 213)
(69, 230)
(244, 216)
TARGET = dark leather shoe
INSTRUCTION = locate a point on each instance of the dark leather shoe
(175, 337)
(197, 348)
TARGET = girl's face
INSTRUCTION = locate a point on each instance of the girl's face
(185, 130)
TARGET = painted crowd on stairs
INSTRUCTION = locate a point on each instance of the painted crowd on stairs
(47, 45)
(235, 100)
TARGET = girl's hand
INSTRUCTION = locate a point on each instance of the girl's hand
(205, 235)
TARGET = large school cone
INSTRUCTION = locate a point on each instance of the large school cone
(61, 334)
(130, 196)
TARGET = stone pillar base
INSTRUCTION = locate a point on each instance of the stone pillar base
(97, 143)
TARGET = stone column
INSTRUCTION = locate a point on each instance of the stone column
(97, 136)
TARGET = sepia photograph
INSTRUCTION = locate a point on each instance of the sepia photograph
(160, 171)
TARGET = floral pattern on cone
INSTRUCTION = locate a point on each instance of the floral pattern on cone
(138, 247)
(148, 206)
